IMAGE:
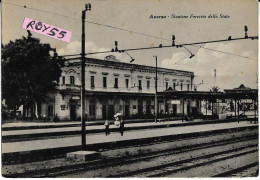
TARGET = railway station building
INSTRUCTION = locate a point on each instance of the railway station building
(117, 87)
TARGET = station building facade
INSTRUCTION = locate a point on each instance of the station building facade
(117, 87)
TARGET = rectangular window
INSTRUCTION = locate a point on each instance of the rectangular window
(188, 87)
(181, 86)
(148, 84)
(174, 85)
(134, 106)
(72, 80)
(92, 81)
(104, 82)
(166, 85)
(63, 79)
(116, 83)
(126, 83)
(62, 107)
(140, 84)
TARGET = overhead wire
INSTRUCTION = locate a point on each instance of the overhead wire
(180, 60)
(100, 24)
(41, 10)
(181, 45)
(248, 57)
(135, 32)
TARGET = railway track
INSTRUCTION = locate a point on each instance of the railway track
(180, 169)
(158, 159)
(250, 170)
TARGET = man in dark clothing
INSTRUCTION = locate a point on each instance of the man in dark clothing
(107, 127)
(122, 124)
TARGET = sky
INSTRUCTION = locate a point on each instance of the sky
(139, 30)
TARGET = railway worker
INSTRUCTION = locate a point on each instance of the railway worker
(122, 124)
(107, 127)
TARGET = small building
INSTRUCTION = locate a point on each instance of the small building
(242, 101)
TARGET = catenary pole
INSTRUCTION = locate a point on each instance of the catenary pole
(83, 122)
(155, 100)
(83, 61)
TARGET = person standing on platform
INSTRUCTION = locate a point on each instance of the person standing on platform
(107, 127)
(122, 124)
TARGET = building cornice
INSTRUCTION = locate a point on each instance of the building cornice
(128, 66)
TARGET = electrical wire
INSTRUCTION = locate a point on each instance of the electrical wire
(135, 32)
(180, 60)
(228, 53)
(187, 49)
(181, 45)
(48, 12)
(90, 22)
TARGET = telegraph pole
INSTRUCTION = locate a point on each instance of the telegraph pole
(155, 100)
(83, 60)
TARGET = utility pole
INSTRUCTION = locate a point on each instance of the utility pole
(155, 100)
(83, 60)
(215, 77)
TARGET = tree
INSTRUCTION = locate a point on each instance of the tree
(29, 73)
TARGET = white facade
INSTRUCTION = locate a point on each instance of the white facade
(134, 75)
(113, 86)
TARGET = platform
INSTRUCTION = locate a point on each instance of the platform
(12, 147)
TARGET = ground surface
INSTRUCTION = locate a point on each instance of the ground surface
(204, 156)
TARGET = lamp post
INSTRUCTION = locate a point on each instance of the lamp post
(155, 100)
(83, 120)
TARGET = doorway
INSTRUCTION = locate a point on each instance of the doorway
(111, 112)
(140, 108)
(174, 109)
(104, 112)
(127, 112)
(73, 107)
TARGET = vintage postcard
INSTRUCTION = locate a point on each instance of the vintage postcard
(136, 88)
